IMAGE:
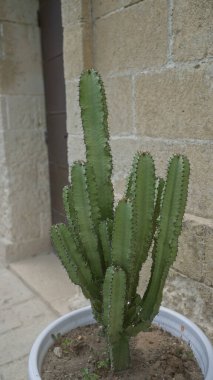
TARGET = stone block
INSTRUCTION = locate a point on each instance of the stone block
(71, 12)
(126, 40)
(200, 157)
(119, 99)
(192, 299)
(26, 112)
(45, 222)
(102, 7)
(20, 64)
(46, 276)
(175, 104)
(77, 50)
(43, 186)
(28, 248)
(73, 51)
(24, 146)
(193, 29)
(13, 291)
(22, 314)
(75, 11)
(18, 342)
(194, 259)
(19, 11)
(15, 370)
(28, 181)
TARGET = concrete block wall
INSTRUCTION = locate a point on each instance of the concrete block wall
(24, 185)
(156, 60)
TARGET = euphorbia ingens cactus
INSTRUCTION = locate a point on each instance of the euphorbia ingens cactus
(102, 247)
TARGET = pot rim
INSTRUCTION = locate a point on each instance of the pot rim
(169, 320)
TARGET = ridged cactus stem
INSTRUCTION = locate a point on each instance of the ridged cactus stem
(114, 304)
(94, 120)
(170, 225)
(119, 354)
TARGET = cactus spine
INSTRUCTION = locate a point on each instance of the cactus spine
(102, 247)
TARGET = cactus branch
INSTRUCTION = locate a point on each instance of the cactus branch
(170, 224)
(122, 236)
(143, 212)
(114, 301)
(94, 120)
(84, 219)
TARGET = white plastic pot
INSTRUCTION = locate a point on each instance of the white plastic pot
(169, 320)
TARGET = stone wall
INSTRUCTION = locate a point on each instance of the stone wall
(24, 185)
(156, 59)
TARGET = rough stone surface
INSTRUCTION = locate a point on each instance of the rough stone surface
(15, 370)
(119, 99)
(22, 339)
(73, 47)
(19, 11)
(71, 12)
(194, 258)
(123, 150)
(74, 126)
(117, 43)
(19, 250)
(13, 290)
(175, 103)
(77, 49)
(192, 299)
(47, 277)
(29, 182)
(24, 186)
(25, 112)
(20, 65)
(24, 145)
(101, 7)
(3, 116)
(76, 149)
(193, 29)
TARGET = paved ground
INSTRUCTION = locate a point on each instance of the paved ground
(33, 292)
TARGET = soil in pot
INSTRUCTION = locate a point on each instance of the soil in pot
(81, 354)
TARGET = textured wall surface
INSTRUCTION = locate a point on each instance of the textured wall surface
(24, 184)
(156, 59)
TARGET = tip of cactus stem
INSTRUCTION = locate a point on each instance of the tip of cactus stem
(89, 71)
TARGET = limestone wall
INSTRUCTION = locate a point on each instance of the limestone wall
(156, 59)
(24, 183)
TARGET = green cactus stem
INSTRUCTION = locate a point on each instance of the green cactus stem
(114, 303)
(94, 120)
(103, 247)
(170, 225)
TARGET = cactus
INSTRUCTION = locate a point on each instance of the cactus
(103, 247)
